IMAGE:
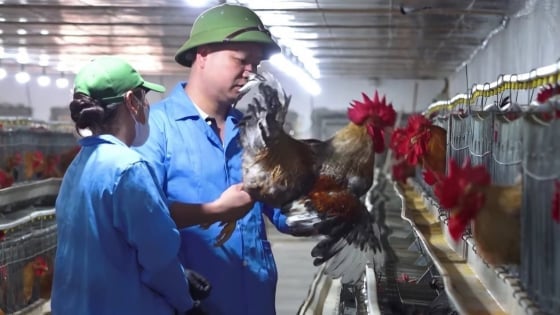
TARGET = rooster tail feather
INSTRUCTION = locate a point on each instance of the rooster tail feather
(346, 248)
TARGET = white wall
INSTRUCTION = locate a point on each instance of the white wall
(528, 41)
(336, 94)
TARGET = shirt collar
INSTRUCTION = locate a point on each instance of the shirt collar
(105, 138)
(183, 107)
(201, 113)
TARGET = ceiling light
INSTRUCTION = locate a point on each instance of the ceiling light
(21, 31)
(3, 73)
(22, 57)
(303, 54)
(273, 18)
(22, 77)
(297, 73)
(44, 32)
(2, 19)
(44, 79)
(61, 82)
(1, 31)
(43, 60)
(197, 3)
(22, 20)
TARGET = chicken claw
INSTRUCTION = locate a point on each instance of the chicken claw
(225, 234)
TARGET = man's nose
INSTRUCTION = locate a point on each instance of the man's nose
(250, 68)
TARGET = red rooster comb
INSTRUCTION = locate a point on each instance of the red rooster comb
(378, 111)
(460, 192)
(376, 114)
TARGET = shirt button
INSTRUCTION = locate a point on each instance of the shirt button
(244, 263)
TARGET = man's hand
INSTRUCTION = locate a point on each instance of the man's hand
(233, 203)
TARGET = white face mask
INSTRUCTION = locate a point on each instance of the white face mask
(142, 131)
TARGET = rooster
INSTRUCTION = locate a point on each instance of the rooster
(493, 209)
(420, 142)
(317, 184)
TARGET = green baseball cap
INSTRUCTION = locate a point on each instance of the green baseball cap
(226, 23)
(107, 78)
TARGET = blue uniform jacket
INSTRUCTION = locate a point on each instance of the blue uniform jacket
(117, 244)
(195, 167)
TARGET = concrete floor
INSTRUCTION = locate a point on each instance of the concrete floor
(295, 270)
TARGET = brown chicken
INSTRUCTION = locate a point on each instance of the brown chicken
(34, 163)
(37, 270)
(494, 211)
(317, 184)
(9, 174)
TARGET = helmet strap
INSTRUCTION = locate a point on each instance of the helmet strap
(244, 30)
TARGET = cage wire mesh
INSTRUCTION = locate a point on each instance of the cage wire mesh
(460, 132)
(505, 167)
(26, 254)
(26, 141)
(540, 261)
(27, 230)
(479, 140)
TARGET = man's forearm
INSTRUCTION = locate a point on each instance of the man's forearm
(186, 215)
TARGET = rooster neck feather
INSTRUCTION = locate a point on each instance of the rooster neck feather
(351, 158)
(352, 136)
(352, 143)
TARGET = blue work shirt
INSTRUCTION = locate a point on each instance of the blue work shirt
(195, 167)
(117, 244)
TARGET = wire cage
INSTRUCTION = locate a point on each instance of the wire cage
(30, 150)
(27, 252)
(518, 144)
(30, 170)
(540, 261)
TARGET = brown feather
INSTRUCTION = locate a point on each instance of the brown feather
(28, 281)
(330, 198)
(496, 228)
(435, 157)
(290, 164)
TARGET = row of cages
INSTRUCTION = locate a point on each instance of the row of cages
(33, 158)
(517, 144)
(31, 150)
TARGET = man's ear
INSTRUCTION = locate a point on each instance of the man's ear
(202, 53)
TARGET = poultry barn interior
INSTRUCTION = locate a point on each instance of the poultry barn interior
(482, 74)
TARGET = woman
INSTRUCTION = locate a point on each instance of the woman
(117, 244)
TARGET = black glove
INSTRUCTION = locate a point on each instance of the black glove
(199, 287)
(197, 310)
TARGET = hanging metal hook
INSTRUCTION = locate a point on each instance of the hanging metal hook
(499, 82)
(532, 76)
(512, 82)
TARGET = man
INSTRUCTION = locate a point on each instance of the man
(194, 148)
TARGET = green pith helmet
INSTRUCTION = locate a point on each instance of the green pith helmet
(226, 23)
